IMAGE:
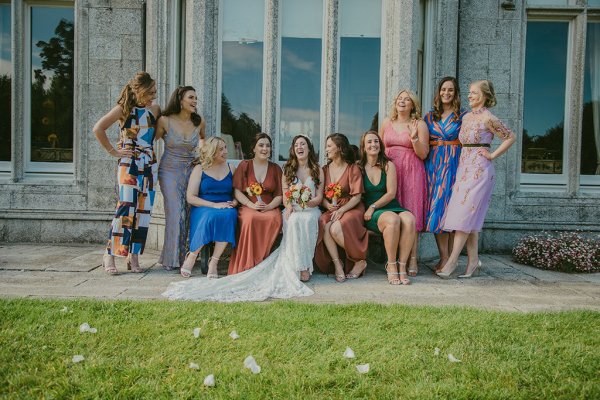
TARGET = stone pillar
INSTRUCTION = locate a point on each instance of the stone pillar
(270, 103)
(330, 72)
(18, 77)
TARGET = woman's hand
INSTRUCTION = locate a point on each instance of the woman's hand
(224, 204)
(121, 153)
(337, 214)
(486, 154)
(369, 213)
(331, 207)
(414, 130)
(288, 212)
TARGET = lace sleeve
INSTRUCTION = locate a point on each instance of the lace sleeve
(498, 128)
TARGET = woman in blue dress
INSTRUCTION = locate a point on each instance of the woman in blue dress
(444, 122)
(213, 217)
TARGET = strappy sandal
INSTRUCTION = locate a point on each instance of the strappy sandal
(405, 280)
(413, 269)
(393, 281)
(134, 268)
(354, 275)
(210, 275)
(108, 263)
(304, 276)
(187, 272)
(339, 277)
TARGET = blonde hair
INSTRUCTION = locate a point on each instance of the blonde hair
(136, 88)
(415, 113)
(207, 152)
(487, 90)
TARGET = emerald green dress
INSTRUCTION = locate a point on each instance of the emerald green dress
(372, 194)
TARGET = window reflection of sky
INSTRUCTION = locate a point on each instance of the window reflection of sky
(545, 76)
(300, 90)
(5, 58)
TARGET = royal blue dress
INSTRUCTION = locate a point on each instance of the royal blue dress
(209, 224)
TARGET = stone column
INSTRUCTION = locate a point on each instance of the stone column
(330, 73)
(270, 103)
(18, 89)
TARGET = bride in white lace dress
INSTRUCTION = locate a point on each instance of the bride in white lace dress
(281, 274)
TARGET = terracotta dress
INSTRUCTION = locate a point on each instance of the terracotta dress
(257, 230)
(355, 233)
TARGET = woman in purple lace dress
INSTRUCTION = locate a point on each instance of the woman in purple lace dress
(472, 191)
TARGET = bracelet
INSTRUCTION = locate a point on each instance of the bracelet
(415, 140)
(111, 151)
(373, 206)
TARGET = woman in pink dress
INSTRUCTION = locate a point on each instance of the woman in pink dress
(406, 141)
(472, 190)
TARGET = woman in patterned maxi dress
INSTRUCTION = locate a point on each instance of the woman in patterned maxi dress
(472, 191)
(443, 122)
(136, 170)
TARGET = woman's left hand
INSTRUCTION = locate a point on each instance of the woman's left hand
(369, 214)
(486, 154)
(337, 214)
(414, 131)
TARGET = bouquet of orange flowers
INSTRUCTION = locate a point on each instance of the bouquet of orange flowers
(298, 194)
(333, 191)
(255, 189)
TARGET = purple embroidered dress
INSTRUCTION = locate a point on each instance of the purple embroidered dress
(472, 190)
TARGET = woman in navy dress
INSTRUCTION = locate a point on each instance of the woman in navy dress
(213, 217)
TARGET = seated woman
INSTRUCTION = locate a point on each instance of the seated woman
(213, 217)
(384, 214)
(342, 223)
(257, 185)
(277, 276)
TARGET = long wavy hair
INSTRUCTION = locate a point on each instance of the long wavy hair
(206, 153)
(438, 107)
(174, 104)
(257, 137)
(291, 166)
(487, 89)
(341, 141)
(382, 159)
(415, 113)
(135, 89)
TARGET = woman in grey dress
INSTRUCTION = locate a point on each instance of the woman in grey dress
(183, 131)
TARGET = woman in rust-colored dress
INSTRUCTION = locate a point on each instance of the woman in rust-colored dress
(259, 217)
(341, 226)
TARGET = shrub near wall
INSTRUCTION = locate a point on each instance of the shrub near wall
(562, 251)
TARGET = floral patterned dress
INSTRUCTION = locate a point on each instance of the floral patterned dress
(472, 191)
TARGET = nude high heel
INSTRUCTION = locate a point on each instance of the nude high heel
(474, 272)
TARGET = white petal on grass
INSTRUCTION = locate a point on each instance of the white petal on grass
(251, 364)
(436, 352)
(78, 358)
(234, 335)
(362, 368)
(84, 327)
(64, 309)
(452, 358)
(209, 381)
(196, 333)
(193, 365)
(349, 353)
(93, 330)
(255, 369)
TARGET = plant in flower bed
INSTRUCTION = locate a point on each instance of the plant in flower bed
(559, 251)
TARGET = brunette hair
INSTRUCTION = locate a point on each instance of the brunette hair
(291, 166)
(487, 89)
(438, 108)
(137, 87)
(415, 113)
(341, 141)
(206, 153)
(174, 104)
(382, 159)
(257, 137)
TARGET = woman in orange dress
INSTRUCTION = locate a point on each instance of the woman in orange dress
(259, 217)
(341, 226)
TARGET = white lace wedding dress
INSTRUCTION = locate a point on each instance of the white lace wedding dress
(276, 277)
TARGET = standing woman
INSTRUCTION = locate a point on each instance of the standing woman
(384, 214)
(342, 222)
(136, 173)
(475, 176)
(259, 218)
(406, 140)
(444, 123)
(182, 129)
(213, 217)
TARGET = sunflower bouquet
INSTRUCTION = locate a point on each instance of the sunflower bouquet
(333, 191)
(255, 189)
(299, 194)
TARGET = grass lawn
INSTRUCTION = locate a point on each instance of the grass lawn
(143, 349)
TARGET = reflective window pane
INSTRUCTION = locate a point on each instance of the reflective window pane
(300, 72)
(5, 82)
(544, 105)
(241, 74)
(52, 32)
(547, 2)
(590, 132)
(360, 51)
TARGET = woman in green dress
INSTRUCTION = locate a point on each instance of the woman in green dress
(383, 212)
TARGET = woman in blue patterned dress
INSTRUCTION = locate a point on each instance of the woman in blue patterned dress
(213, 217)
(444, 122)
(136, 173)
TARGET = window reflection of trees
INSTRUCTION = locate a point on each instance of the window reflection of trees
(52, 98)
(242, 128)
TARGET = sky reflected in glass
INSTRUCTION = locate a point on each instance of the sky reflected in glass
(590, 129)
